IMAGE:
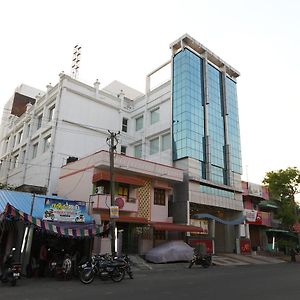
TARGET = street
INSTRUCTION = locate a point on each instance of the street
(272, 281)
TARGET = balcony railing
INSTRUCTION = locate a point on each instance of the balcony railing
(125, 203)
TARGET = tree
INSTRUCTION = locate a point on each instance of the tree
(283, 186)
(4, 186)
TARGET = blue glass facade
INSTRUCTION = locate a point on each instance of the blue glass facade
(233, 126)
(216, 125)
(190, 112)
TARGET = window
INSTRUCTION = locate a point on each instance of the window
(39, 121)
(14, 141)
(159, 197)
(154, 146)
(123, 190)
(47, 142)
(123, 150)
(20, 136)
(34, 150)
(139, 123)
(23, 156)
(51, 113)
(15, 161)
(154, 118)
(138, 151)
(27, 130)
(124, 125)
(166, 142)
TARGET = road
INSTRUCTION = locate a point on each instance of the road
(278, 281)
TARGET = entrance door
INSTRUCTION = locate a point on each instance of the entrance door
(129, 237)
(220, 238)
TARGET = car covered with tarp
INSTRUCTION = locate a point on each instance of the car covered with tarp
(170, 252)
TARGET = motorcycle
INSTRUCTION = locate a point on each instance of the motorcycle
(60, 265)
(126, 264)
(103, 267)
(200, 259)
(11, 271)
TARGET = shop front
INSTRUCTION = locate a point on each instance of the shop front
(55, 223)
(224, 230)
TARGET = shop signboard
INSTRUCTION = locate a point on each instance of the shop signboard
(253, 216)
(64, 210)
(202, 224)
(114, 212)
(255, 189)
(245, 246)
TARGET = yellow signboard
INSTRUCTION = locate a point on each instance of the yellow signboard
(114, 212)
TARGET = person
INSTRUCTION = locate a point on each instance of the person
(43, 260)
(293, 255)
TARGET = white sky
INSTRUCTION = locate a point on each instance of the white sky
(126, 39)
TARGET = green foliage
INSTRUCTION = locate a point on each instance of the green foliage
(4, 186)
(283, 185)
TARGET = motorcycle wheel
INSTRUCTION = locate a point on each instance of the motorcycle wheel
(13, 282)
(205, 264)
(130, 274)
(86, 276)
(191, 263)
(118, 275)
(67, 268)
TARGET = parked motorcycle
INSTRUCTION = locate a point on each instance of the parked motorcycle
(102, 266)
(200, 259)
(11, 271)
(126, 264)
(60, 265)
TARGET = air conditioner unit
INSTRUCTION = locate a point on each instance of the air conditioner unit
(100, 190)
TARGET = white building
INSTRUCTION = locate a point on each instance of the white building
(189, 122)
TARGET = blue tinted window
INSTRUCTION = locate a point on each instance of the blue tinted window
(233, 126)
(188, 112)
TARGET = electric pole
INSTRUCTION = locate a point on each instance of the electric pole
(112, 142)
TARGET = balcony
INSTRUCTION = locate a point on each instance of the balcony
(125, 204)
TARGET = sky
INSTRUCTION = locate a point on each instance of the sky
(125, 40)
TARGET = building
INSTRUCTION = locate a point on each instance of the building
(42, 131)
(189, 122)
(206, 138)
(143, 192)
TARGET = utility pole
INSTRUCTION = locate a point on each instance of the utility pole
(112, 142)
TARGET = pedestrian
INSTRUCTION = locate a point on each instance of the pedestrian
(293, 255)
(43, 260)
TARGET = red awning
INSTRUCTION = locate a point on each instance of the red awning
(175, 227)
(125, 219)
(105, 175)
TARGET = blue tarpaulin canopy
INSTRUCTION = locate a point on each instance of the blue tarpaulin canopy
(18, 205)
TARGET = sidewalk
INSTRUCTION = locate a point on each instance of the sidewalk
(225, 259)
(238, 259)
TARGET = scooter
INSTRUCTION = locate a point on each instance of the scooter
(11, 270)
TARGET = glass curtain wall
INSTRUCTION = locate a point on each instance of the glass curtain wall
(233, 126)
(189, 116)
(216, 125)
(188, 111)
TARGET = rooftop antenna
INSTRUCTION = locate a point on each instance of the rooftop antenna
(76, 61)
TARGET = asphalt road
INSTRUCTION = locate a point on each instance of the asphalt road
(279, 281)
